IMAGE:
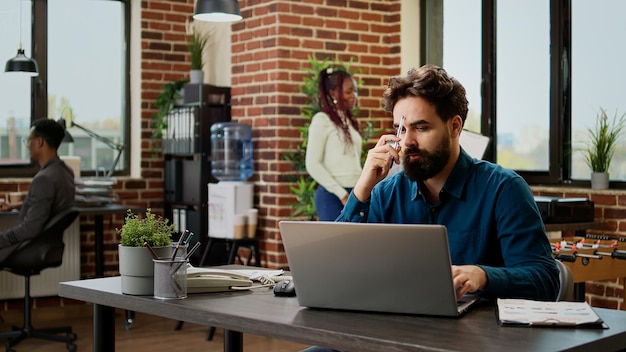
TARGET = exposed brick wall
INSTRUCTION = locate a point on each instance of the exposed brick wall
(270, 47)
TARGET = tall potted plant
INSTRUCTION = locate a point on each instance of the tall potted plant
(600, 148)
(135, 261)
(196, 42)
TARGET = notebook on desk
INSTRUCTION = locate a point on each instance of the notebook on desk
(391, 268)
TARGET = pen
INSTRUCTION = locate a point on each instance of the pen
(193, 249)
(186, 241)
(394, 144)
(398, 133)
(154, 255)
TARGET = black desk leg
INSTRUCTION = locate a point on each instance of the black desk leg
(579, 292)
(233, 341)
(99, 232)
(103, 328)
(205, 255)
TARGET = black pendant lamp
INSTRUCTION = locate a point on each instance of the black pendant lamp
(21, 63)
(217, 11)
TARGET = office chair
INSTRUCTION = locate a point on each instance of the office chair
(566, 277)
(44, 251)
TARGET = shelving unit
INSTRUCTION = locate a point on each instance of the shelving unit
(187, 159)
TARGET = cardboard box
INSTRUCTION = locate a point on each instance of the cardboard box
(225, 200)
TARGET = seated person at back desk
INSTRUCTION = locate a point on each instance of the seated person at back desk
(51, 190)
(498, 244)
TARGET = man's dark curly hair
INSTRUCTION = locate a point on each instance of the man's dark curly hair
(433, 84)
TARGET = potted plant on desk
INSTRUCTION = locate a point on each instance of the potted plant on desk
(135, 261)
(601, 146)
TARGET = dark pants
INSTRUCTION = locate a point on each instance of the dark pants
(327, 205)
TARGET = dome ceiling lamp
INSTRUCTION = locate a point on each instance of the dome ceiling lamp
(21, 63)
(217, 11)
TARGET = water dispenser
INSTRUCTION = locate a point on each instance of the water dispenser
(231, 151)
(232, 165)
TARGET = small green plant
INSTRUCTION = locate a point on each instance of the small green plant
(603, 140)
(196, 43)
(153, 229)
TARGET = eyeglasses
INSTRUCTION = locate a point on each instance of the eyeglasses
(26, 140)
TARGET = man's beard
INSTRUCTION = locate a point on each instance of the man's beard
(429, 164)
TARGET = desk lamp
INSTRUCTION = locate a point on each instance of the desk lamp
(111, 144)
(217, 11)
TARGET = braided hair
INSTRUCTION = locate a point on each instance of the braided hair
(332, 79)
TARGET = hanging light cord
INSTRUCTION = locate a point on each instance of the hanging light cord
(21, 25)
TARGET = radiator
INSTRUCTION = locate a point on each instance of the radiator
(45, 284)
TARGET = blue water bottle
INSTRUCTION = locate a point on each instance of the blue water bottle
(231, 151)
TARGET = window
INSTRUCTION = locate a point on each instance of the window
(82, 53)
(15, 104)
(523, 84)
(547, 68)
(461, 48)
(597, 76)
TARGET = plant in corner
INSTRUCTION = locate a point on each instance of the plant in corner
(600, 148)
(135, 262)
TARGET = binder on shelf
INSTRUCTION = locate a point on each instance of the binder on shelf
(176, 219)
(183, 219)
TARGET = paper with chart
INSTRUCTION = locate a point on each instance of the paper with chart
(529, 312)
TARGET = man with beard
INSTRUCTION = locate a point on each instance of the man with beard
(498, 244)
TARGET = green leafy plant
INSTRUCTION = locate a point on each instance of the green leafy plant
(304, 189)
(165, 102)
(196, 43)
(155, 230)
(603, 140)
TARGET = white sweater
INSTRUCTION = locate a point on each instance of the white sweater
(330, 160)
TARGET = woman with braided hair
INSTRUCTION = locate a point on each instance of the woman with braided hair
(333, 150)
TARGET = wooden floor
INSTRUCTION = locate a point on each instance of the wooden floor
(147, 333)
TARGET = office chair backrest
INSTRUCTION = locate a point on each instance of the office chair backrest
(45, 250)
(566, 277)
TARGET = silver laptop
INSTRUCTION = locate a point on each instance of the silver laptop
(391, 268)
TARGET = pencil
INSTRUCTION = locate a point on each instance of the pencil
(154, 255)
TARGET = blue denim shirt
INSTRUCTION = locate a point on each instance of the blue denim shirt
(492, 221)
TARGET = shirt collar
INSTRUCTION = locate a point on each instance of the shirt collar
(53, 160)
(455, 184)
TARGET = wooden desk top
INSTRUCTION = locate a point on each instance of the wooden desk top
(575, 226)
(260, 312)
(110, 208)
(9, 214)
(99, 210)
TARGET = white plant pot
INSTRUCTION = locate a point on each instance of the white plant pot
(599, 180)
(196, 76)
(137, 269)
